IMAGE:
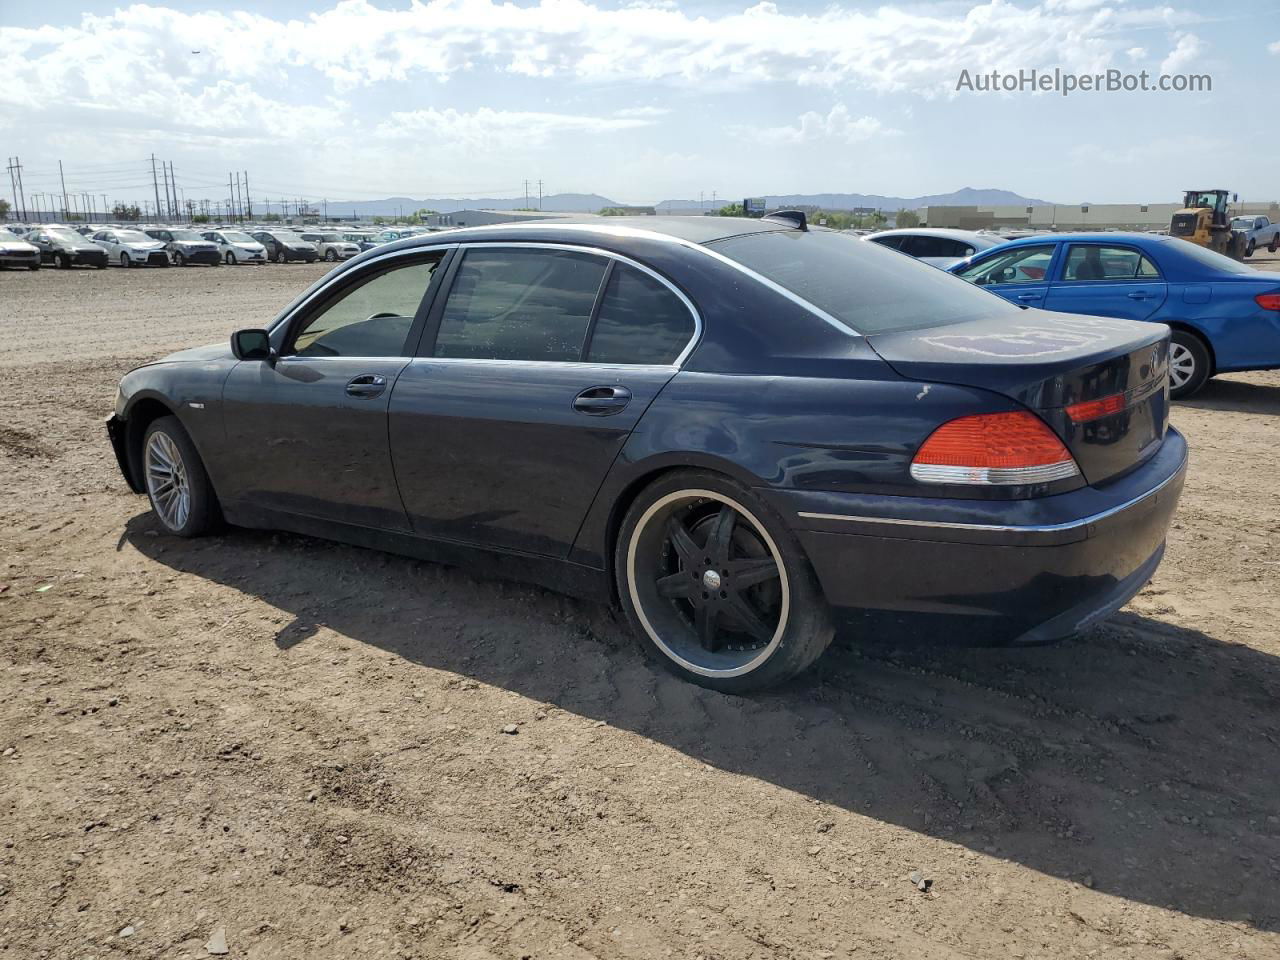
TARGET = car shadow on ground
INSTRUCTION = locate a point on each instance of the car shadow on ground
(1142, 759)
(1237, 396)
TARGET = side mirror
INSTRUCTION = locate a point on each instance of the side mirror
(252, 345)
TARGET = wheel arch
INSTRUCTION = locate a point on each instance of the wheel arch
(641, 477)
(142, 412)
(1200, 335)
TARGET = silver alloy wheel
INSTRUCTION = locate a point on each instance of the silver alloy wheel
(167, 482)
(1182, 365)
(124, 261)
(676, 632)
(231, 259)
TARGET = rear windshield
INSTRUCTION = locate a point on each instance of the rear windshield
(868, 287)
(1215, 261)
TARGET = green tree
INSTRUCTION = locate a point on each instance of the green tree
(122, 211)
(907, 218)
(4, 209)
(732, 210)
(200, 218)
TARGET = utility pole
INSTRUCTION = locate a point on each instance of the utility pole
(64, 190)
(539, 194)
(231, 197)
(164, 177)
(105, 209)
(155, 184)
(326, 209)
(247, 202)
(13, 182)
(526, 193)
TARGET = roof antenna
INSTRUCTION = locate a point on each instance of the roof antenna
(792, 218)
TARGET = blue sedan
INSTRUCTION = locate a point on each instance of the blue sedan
(1225, 316)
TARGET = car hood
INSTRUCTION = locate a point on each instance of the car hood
(210, 351)
(18, 246)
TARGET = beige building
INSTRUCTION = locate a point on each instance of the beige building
(1075, 217)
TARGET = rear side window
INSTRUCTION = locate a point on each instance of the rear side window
(640, 321)
(895, 242)
(926, 246)
(520, 304)
(867, 287)
(1096, 262)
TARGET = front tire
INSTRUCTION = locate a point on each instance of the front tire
(177, 484)
(1189, 365)
(179, 259)
(230, 259)
(281, 258)
(1274, 245)
(716, 587)
(64, 262)
(125, 261)
(330, 256)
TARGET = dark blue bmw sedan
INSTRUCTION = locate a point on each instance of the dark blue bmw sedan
(744, 432)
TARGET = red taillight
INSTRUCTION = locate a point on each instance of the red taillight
(1093, 409)
(993, 448)
(1268, 301)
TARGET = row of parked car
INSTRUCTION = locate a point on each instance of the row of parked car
(99, 246)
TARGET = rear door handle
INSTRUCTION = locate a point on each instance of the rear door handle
(366, 386)
(1030, 296)
(602, 401)
(1137, 295)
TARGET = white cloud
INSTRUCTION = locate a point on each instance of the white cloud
(836, 125)
(355, 43)
(1274, 47)
(487, 130)
(1186, 48)
(1136, 53)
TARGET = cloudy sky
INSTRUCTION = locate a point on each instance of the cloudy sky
(639, 101)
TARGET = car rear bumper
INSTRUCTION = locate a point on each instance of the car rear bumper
(1026, 571)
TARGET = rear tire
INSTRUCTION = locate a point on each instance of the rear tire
(685, 543)
(1274, 245)
(177, 484)
(1189, 365)
(1249, 247)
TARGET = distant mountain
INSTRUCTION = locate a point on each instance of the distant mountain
(593, 202)
(391, 206)
(965, 197)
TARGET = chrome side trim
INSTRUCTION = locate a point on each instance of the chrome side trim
(1004, 528)
(609, 255)
(307, 296)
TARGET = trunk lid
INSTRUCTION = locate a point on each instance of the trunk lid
(1049, 362)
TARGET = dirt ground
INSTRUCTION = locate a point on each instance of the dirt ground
(301, 743)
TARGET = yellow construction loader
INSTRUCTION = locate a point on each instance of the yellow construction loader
(1204, 219)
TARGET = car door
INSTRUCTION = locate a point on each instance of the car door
(107, 240)
(307, 432)
(1019, 274)
(1107, 280)
(536, 366)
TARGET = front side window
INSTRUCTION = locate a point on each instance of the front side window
(1020, 265)
(640, 321)
(1094, 262)
(370, 320)
(520, 304)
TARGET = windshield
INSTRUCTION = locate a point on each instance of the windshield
(7, 235)
(329, 238)
(64, 233)
(871, 288)
(1214, 261)
(186, 235)
(132, 236)
(236, 237)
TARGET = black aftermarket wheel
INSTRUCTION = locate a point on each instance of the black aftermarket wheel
(715, 585)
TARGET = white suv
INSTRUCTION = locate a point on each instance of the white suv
(332, 247)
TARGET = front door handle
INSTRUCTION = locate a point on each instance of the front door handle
(1137, 295)
(1024, 297)
(602, 401)
(366, 386)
